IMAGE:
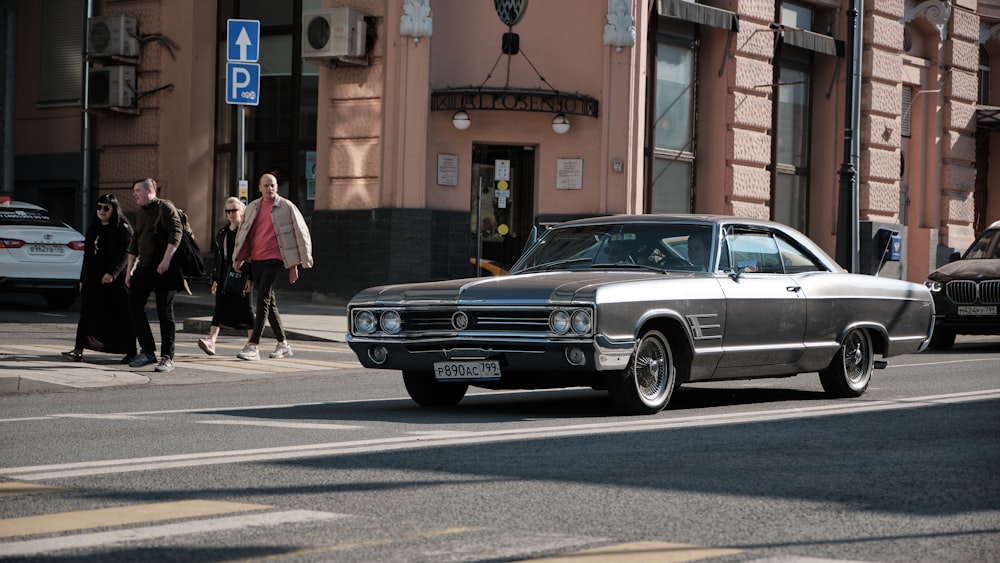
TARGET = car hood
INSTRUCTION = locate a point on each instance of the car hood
(984, 269)
(540, 287)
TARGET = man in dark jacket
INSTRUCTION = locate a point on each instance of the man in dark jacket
(157, 234)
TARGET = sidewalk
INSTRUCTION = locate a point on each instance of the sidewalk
(304, 316)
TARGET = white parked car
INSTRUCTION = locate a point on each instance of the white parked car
(39, 254)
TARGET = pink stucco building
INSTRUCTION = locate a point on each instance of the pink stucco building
(436, 135)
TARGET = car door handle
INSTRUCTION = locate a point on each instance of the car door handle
(793, 288)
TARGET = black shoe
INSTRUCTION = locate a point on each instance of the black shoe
(128, 358)
(144, 359)
(73, 355)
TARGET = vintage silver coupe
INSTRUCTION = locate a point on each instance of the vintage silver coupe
(639, 305)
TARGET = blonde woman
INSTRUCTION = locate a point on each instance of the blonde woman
(230, 287)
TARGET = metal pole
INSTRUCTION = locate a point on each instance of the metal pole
(240, 144)
(479, 226)
(9, 117)
(847, 216)
(86, 182)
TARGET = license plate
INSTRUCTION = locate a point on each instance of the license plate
(479, 369)
(977, 311)
(46, 249)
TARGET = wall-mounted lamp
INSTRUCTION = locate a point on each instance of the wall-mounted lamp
(559, 124)
(461, 120)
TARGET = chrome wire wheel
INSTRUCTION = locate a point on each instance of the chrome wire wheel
(857, 356)
(651, 366)
(646, 385)
(850, 371)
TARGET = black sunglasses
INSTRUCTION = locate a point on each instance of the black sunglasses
(232, 210)
(104, 208)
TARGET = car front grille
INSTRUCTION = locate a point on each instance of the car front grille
(968, 292)
(513, 321)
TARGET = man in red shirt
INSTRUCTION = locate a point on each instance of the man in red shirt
(273, 236)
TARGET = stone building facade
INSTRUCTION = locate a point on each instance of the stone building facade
(442, 141)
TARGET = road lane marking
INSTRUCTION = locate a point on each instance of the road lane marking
(272, 424)
(119, 515)
(640, 552)
(10, 489)
(77, 469)
(29, 548)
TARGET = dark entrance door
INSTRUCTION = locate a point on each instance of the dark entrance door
(502, 203)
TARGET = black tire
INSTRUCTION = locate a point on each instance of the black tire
(850, 371)
(942, 339)
(60, 300)
(429, 392)
(646, 385)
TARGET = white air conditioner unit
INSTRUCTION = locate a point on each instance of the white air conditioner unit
(112, 86)
(333, 32)
(112, 36)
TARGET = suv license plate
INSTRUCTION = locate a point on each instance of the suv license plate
(479, 369)
(977, 311)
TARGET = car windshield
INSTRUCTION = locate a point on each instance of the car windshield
(987, 246)
(27, 217)
(663, 246)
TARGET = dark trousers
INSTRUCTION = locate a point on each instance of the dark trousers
(145, 281)
(265, 275)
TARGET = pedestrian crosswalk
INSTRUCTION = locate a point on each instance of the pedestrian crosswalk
(41, 367)
(103, 529)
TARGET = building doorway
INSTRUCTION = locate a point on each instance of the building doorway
(502, 202)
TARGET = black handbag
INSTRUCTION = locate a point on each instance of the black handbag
(234, 282)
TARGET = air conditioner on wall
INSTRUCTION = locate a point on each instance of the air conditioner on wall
(112, 36)
(333, 32)
(112, 86)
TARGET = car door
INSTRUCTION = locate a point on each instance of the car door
(765, 311)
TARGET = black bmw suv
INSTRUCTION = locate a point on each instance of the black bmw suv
(967, 291)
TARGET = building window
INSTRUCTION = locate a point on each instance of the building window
(797, 16)
(983, 97)
(60, 81)
(280, 132)
(672, 119)
(907, 105)
(792, 132)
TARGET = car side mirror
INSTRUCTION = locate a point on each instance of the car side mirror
(954, 256)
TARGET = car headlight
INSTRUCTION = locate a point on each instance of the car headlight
(559, 321)
(581, 321)
(391, 322)
(934, 286)
(364, 322)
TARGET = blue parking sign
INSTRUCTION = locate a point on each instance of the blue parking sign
(242, 40)
(242, 83)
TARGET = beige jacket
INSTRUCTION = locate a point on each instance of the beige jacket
(293, 233)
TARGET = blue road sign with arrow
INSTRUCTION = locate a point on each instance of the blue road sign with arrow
(243, 40)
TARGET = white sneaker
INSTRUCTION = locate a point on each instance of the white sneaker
(249, 352)
(283, 350)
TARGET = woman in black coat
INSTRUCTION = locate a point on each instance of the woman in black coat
(104, 324)
(231, 289)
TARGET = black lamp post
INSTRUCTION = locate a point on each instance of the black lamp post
(847, 210)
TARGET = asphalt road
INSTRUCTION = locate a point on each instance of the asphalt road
(337, 464)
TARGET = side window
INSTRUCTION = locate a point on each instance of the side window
(796, 260)
(755, 252)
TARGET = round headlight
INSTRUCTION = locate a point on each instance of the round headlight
(559, 321)
(364, 322)
(391, 323)
(581, 321)
(934, 286)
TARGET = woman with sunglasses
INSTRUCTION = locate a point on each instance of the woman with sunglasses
(231, 288)
(104, 323)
